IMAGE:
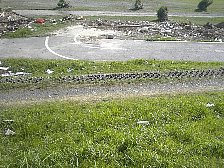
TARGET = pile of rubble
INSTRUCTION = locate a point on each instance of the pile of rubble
(175, 30)
(93, 78)
(11, 21)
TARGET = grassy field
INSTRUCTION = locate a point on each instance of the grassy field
(181, 131)
(115, 5)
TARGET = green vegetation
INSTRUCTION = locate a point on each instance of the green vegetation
(162, 14)
(61, 68)
(63, 4)
(38, 67)
(181, 132)
(181, 6)
(138, 5)
(203, 5)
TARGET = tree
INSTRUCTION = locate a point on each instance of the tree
(162, 14)
(203, 5)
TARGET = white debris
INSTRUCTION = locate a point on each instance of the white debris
(210, 105)
(143, 122)
(9, 132)
(8, 120)
(0, 62)
(69, 70)
(4, 68)
(22, 73)
(14, 74)
(49, 71)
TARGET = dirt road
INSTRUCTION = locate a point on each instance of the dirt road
(114, 91)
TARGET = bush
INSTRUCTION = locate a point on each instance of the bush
(162, 13)
(63, 4)
(138, 5)
(202, 6)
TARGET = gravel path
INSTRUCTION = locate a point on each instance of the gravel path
(115, 91)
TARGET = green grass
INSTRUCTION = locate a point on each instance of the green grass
(181, 6)
(38, 67)
(182, 132)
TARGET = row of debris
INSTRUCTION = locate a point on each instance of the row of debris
(6, 72)
(178, 31)
(120, 76)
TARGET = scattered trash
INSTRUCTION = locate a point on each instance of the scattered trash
(49, 71)
(79, 18)
(7, 74)
(9, 132)
(154, 30)
(143, 122)
(0, 62)
(40, 21)
(210, 105)
(11, 21)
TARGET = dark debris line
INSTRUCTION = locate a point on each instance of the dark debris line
(117, 77)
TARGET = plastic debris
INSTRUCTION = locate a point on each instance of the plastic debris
(143, 122)
(4, 68)
(40, 21)
(49, 71)
(9, 121)
(9, 132)
(14, 74)
(69, 70)
(210, 105)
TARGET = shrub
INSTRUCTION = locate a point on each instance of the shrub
(202, 6)
(138, 5)
(63, 4)
(162, 13)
